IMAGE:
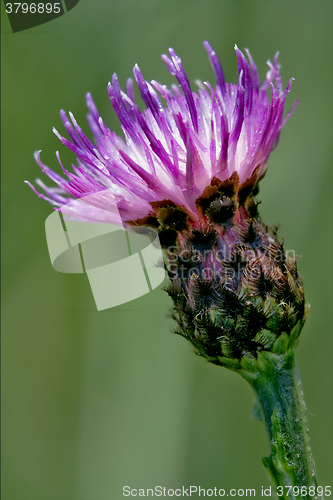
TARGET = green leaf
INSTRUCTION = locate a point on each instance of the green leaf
(281, 344)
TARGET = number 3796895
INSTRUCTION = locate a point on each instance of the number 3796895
(33, 8)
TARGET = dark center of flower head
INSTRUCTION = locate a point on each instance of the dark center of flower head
(217, 206)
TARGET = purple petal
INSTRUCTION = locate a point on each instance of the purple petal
(185, 85)
(217, 68)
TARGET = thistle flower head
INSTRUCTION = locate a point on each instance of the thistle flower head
(177, 146)
(189, 167)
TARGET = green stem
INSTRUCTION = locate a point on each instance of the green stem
(277, 385)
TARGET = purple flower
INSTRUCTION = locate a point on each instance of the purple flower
(170, 152)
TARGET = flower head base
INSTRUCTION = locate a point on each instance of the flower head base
(190, 170)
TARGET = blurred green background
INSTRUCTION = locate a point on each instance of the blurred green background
(93, 401)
